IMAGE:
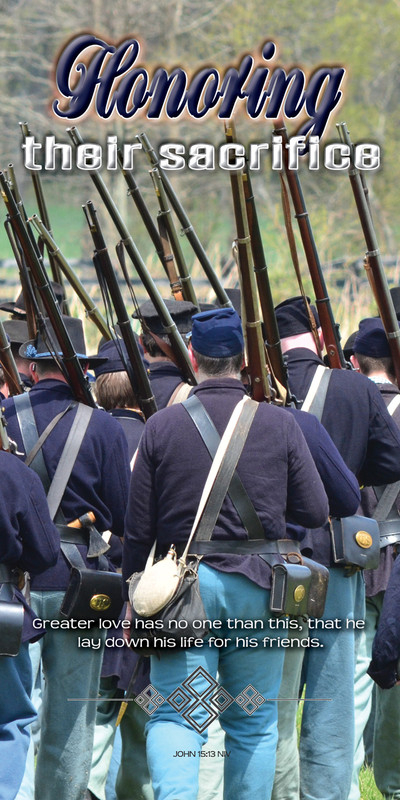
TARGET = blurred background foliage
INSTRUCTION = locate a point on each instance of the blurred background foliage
(361, 35)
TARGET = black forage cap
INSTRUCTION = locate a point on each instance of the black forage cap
(181, 312)
(292, 318)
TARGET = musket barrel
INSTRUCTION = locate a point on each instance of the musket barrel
(25, 279)
(158, 236)
(70, 360)
(187, 227)
(135, 194)
(185, 278)
(328, 325)
(180, 350)
(255, 344)
(92, 311)
(134, 367)
(37, 185)
(382, 293)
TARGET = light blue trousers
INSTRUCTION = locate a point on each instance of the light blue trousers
(70, 672)
(173, 743)
(386, 741)
(120, 775)
(327, 730)
(16, 714)
(119, 765)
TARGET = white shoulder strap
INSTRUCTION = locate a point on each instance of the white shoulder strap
(313, 387)
(214, 470)
(180, 393)
(394, 403)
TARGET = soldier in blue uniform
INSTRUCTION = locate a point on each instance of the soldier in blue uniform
(98, 483)
(385, 664)
(372, 358)
(16, 327)
(164, 375)
(355, 416)
(280, 477)
(29, 542)
(115, 394)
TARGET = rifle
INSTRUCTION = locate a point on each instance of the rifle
(25, 279)
(32, 300)
(12, 182)
(255, 343)
(165, 214)
(159, 237)
(328, 325)
(134, 365)
(180, 352)
(43, 214)
(273, 342)
(11, 373)
(28, 285)
(92, 312)
(69, 363)
(374, 261)
(175, 282)
(187, 227)
(135, 194)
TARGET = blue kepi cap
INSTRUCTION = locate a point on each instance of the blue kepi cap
(371, 339)
(217, 333)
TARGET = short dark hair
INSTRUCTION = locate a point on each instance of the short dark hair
(114, 390)
(45, 367)
(369, 364)
(231, 365)
(151, 346)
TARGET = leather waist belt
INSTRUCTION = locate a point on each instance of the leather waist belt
(389, 531)
(389, 526)
(7, 575)
(244, 546)
(73, 535)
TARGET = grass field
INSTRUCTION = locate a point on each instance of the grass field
(368, 788)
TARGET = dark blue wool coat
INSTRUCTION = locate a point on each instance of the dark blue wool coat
(100, 477)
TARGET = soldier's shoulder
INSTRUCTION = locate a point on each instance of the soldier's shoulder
(104, 423)
(352, 382)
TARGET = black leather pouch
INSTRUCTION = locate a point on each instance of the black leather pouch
(92, 594)
(356, 541)
(11, 622)
(318, 587)
(290, 589)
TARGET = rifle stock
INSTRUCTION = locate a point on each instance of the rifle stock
(5, 442)
(273, 342)
(175, 283)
